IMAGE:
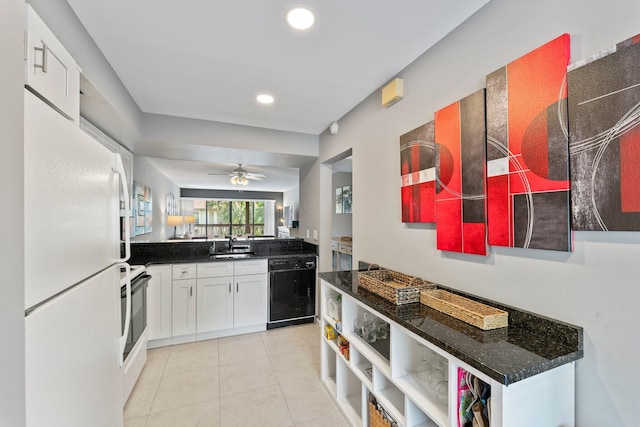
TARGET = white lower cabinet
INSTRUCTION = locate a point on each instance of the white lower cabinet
(159, 297)
(198, 301)
(393, 370)
(184, 307)
(215, 304)
(183, 313)
(232, 297)
(250, 300)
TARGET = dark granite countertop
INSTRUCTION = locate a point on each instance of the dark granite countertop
(531, 344)
(149, 253)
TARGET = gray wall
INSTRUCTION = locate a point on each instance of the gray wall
(595, 287)
(12, 385)
(145, 173)
(309, 212)
(341, 223)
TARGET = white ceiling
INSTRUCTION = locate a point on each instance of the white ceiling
(209, 59)
(195, 174)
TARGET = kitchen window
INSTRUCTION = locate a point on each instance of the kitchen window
(223, 218)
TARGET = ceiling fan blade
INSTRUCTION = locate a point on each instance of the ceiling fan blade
(255, 177)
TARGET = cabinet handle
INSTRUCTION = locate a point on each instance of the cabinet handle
(190, 291)
(42, 49)
(236, 287)
(229, 287)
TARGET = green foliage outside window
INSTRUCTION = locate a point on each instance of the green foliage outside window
(236, 217)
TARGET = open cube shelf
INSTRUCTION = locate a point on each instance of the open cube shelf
(415, 381)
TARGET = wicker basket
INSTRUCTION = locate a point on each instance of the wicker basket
(395, 287)
(472, 312)
(376, 419)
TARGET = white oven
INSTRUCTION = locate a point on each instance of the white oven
(135, 350)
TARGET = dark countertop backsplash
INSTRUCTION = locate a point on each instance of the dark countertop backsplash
(182, 251)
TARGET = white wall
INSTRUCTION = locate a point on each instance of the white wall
(145, 173)
(595, 287)
(309, 211)
(12, 386)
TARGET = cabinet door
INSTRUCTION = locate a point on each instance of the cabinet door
(159, 302)
(184, 307)
(250, 300)
(49, 69)
(215, 304)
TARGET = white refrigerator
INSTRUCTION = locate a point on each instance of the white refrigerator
(73, 187)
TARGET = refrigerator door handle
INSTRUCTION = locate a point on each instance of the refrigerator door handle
(127, 207)
(127, 318)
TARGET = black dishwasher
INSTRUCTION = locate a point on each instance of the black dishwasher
(292, 291)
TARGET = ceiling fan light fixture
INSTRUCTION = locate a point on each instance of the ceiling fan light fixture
(239, 180)
(300, 18)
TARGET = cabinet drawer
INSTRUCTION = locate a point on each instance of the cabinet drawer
(215, 269)
(257, 266)
(184, 271)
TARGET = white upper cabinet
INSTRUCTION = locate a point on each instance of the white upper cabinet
(50, 70)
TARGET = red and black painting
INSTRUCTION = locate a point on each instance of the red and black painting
(604, 114)
(460, 135)
(418, 174)
(528, 198)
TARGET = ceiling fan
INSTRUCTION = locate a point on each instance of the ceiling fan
(240, 176)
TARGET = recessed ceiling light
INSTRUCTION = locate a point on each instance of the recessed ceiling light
(263, 98)
(300, 18)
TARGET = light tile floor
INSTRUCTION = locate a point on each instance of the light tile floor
(270, 378)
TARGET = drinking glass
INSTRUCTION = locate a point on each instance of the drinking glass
(369, 331)
(424, 367)
(358, 323)
(442, 390)
(382, 329)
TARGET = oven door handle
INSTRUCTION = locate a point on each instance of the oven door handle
(139, 282)
(122, 341)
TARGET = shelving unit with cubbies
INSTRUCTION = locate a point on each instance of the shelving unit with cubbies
(393, 371)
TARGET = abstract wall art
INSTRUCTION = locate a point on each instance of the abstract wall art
(528, 198)
(460, 134)
(604, 114)
(418, 174)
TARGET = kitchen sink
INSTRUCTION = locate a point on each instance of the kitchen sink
(234, 255)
